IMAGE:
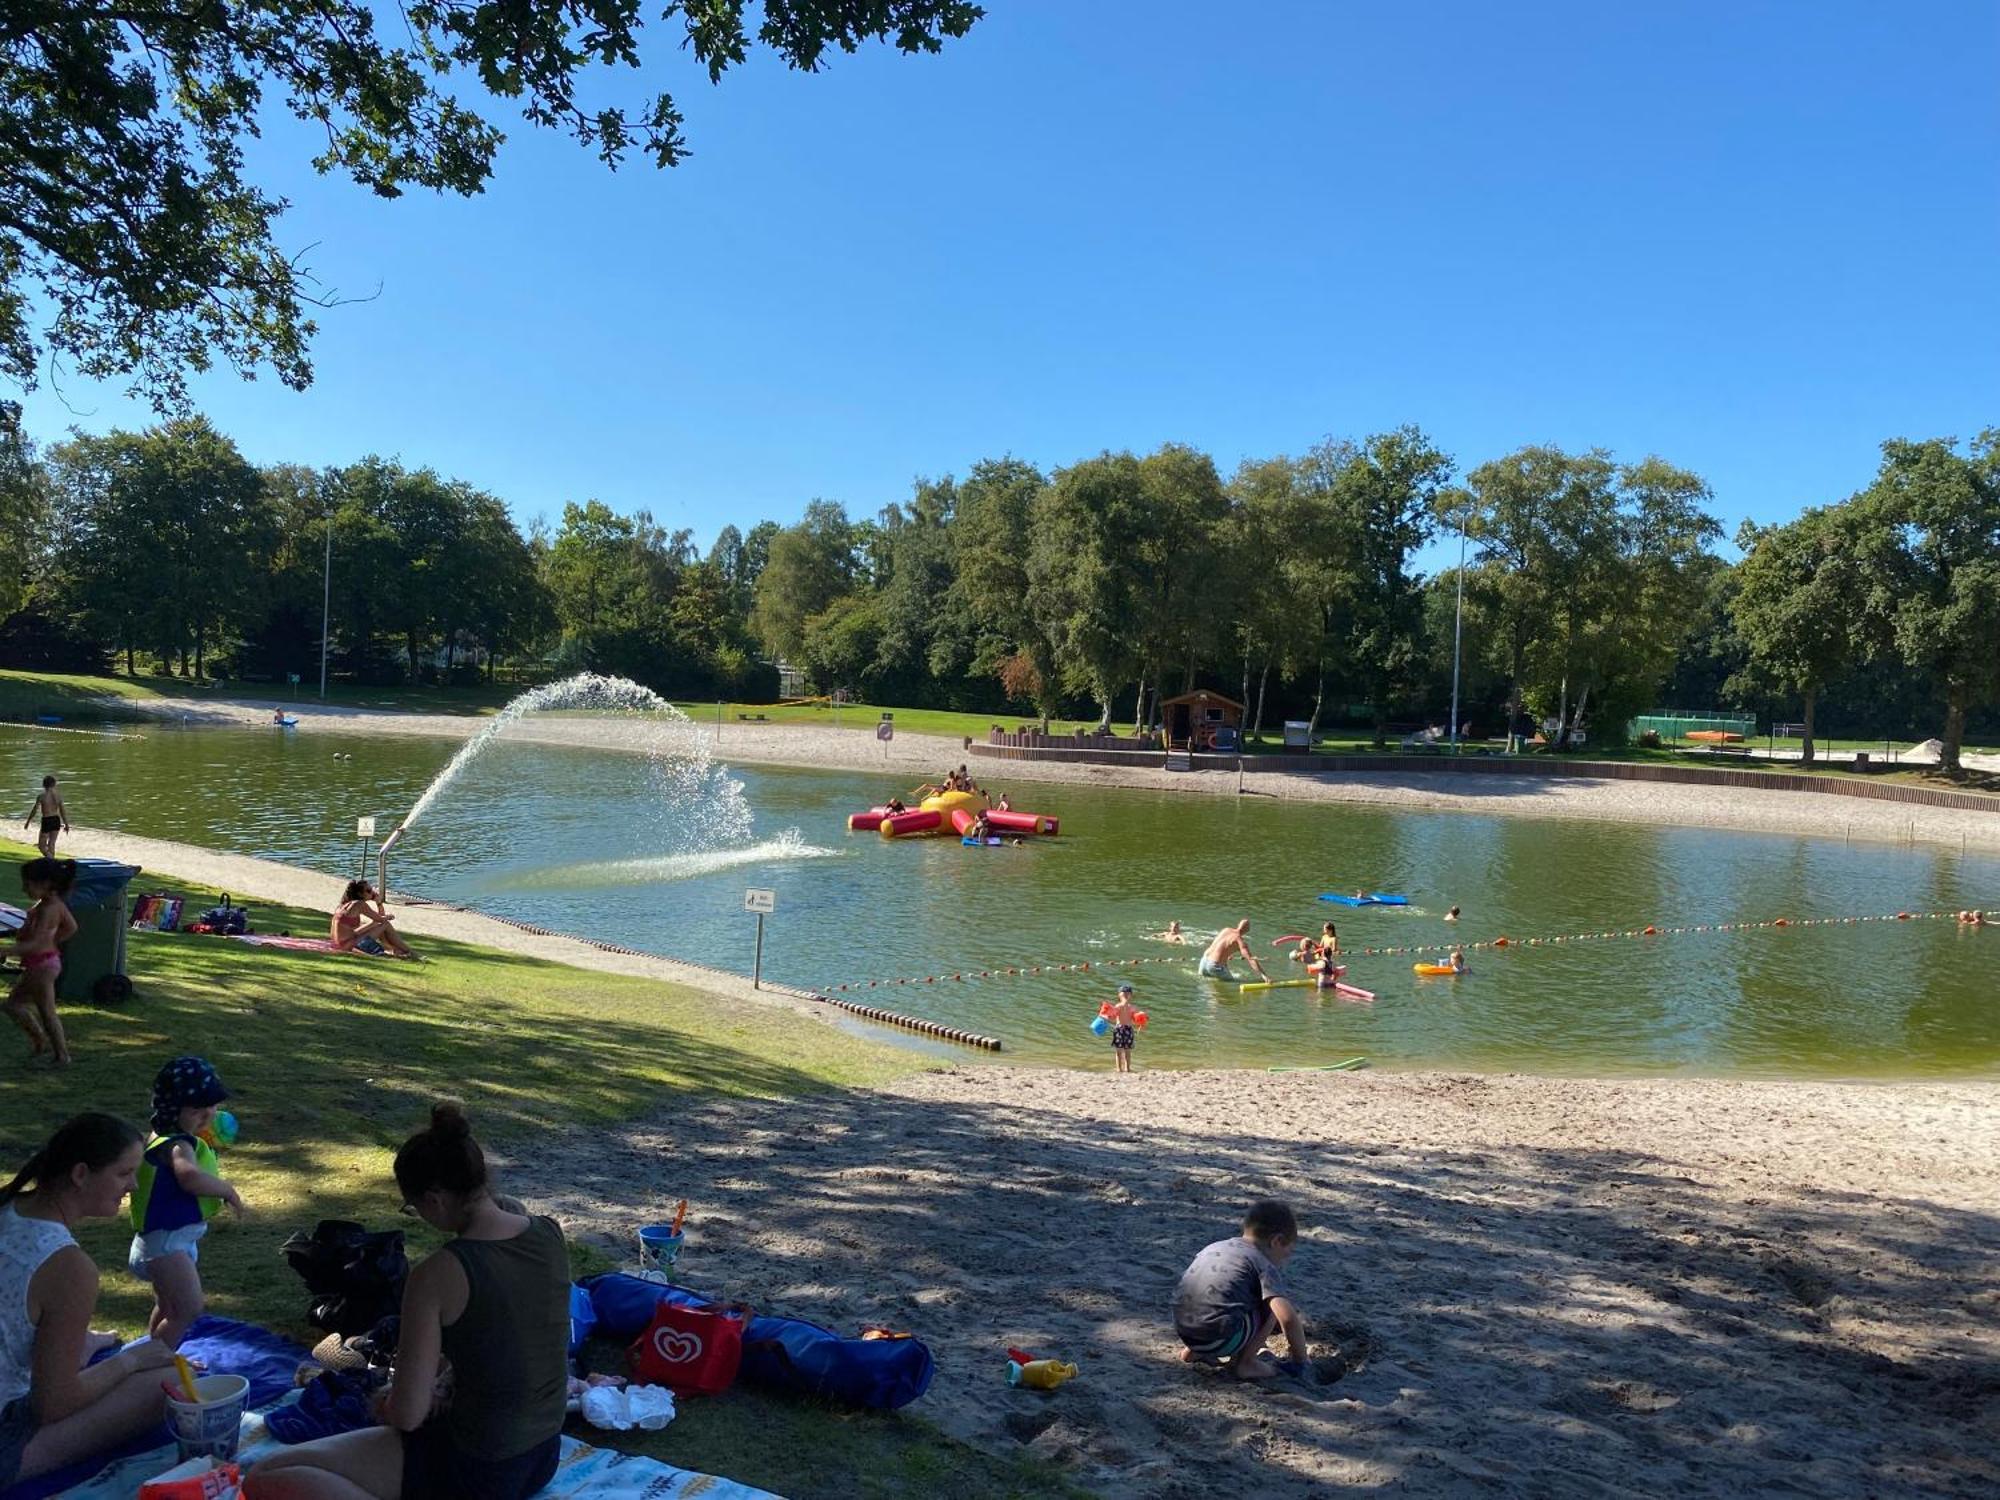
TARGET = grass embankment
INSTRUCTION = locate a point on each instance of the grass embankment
(334, 1060)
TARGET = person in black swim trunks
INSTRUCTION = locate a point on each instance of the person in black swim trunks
(55, 820)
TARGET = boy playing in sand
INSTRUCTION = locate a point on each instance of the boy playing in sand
(55, 820)
(1231, 1299)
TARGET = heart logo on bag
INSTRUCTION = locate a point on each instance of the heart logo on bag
(676, 1347)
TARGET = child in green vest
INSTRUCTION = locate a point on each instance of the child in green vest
(178, 1191)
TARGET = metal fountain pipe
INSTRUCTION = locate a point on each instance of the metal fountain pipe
(382, 862)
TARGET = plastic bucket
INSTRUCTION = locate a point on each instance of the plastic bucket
(1100, 1026)
(659, 1247)
(210, 1427)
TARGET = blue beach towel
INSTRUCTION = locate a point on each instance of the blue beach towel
(262, 1357)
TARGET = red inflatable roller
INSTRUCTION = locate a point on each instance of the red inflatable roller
(898, 824)
(867, 822)
(962, 820)
(1020, 822)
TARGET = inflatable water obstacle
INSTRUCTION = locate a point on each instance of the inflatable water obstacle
(949, 812)
(1378, 898)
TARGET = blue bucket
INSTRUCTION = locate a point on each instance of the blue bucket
(1100, 1026)
(659, 1247)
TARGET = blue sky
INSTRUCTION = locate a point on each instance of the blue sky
(1756, 239)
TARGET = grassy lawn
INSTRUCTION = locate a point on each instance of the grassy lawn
(334, 1061)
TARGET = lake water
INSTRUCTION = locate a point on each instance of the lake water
(581, 841)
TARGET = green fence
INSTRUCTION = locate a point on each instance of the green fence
(1677, 726)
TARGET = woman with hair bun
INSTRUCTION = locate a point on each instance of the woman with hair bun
(53, 1410)
(32, 1002)
(486, 1317)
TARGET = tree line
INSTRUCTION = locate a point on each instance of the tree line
(1591, 590)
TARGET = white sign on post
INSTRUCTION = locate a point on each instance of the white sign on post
(364, 828)
(760, 901)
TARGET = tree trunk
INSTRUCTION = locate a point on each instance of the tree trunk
(199, 652)
(1562, 714)
(1246, 677)
(1319, 699)
(1380, 711)
(1139, 708)
(1954, 728)
(1187, 678)
(130, 670)
(416, 673)
(1257, 723)
(1806, 744)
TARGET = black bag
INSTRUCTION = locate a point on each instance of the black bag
(354, 1275)
(230, 921)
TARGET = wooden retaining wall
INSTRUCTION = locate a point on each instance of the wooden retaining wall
(1503, 765)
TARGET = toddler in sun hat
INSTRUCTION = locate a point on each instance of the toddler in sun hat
(178, 1190)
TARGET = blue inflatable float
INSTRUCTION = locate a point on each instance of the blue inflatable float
(1379, 898)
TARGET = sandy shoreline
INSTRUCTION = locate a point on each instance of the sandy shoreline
(1528, 1286)
(911, 758)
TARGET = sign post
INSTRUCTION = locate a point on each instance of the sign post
(763, 903)
(885, 732)
(364, 829)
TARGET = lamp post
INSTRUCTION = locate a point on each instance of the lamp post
(326, 606)
(1457, 632)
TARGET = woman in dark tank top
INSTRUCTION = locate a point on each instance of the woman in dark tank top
(492, 1307)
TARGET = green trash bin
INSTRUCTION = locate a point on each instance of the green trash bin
(94, 960)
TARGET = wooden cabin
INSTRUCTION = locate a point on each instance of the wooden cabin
(1202, 721)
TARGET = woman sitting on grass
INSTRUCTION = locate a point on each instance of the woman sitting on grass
(362, 923)
(53, 1410)
(493, 1307)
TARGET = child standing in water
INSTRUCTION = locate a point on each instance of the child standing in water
(32, 1002)
(1124, 1018)
(48, 805)
(178, 1191)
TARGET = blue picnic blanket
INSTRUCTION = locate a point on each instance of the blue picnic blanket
(262, 1357)
(583, 1473)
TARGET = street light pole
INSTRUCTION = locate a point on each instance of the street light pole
(326, 607)
(1457, 632)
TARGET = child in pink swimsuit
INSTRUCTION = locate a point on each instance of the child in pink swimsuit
(32, 1002)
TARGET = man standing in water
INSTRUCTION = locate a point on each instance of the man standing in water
(1228, 943)
(54, 820)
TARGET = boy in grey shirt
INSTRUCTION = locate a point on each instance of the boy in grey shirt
(1231, 1298)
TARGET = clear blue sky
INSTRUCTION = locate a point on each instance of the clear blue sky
(1756, 239)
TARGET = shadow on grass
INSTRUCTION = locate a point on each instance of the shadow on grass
(1556, 1320)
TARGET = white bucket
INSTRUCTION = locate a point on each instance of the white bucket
(210, 1427)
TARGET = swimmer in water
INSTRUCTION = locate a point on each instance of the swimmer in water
(1452, 915)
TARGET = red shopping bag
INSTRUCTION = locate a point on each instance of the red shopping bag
(693, 1351)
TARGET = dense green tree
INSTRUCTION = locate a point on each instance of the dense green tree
(810, 565)
(164, 537)
(1930, 531)
(1087, 585)
(24, 507)
(1385, 498)
(135, 243)
(991, 526)
(1795, 607)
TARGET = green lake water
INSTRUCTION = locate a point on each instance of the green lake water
(588, 842)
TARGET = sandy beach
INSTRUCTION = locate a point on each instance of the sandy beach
(1513, 1285)
(912, 758)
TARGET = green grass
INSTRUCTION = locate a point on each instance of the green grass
(24, 695)
(335, 1060)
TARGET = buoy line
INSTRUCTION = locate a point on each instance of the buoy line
(1023, 971)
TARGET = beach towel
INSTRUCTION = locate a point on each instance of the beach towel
(782, 1354)
(582, 1473)
(260, 1356)
(155, 912)
(289, 944)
